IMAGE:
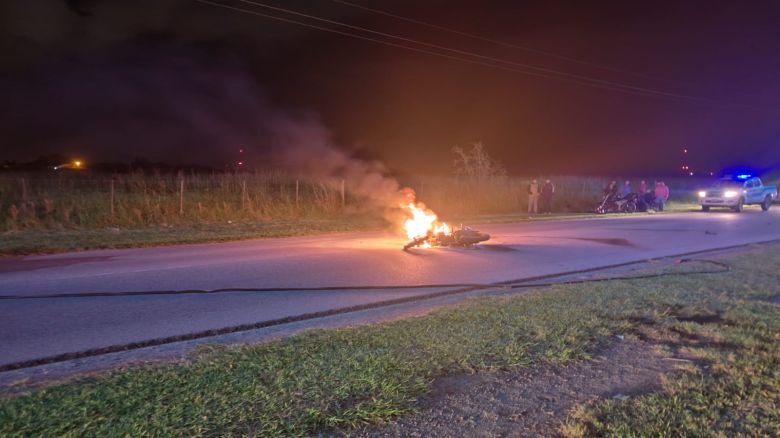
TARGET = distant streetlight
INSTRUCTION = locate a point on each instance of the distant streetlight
(75, 164)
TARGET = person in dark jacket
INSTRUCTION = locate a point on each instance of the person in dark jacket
(548, 190)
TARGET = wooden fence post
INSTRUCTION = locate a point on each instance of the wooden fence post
(243, 195)
(112, 198)
(296, 193)
(343, 195)
(24, 189)
(181, 196)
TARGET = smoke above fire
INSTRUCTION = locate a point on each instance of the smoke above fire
(302, 144)
(179, 106)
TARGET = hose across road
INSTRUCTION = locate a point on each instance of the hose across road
(78, 305)
(453, 288)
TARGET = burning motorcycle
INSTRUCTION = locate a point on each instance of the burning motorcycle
(463, 237)
(424, 231)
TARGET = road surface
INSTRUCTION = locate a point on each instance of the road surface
(36, 328)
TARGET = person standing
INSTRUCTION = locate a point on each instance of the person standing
(626, 188)
(661, 195)
(611, 189)
(548, 190)
(533, 197)
(642, 187)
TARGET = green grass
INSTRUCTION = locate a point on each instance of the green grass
(47, 241)
(84, 200)
(45, 212)
(342, 378)
(51, 241)
(26, 242)
(735, 389)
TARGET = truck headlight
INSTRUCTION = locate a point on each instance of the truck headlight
(730, 194)
(702, 194)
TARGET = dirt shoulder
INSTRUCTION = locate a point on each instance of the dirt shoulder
(530, 402)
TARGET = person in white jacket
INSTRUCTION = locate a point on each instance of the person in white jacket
(533, 197)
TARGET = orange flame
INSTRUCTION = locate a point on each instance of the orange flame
(422, 221)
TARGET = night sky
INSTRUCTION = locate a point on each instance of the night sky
(189, 82)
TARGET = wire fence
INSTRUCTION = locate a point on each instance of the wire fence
(87, 200)
(33, 201)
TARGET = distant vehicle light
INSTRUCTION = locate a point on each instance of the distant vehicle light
(702, 194)
(731, 194)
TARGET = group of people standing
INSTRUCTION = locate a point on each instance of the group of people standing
(544, 193)
(659, 195)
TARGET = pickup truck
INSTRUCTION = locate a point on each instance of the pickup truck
(736, 193)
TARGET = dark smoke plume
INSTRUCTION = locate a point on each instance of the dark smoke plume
(177, 106)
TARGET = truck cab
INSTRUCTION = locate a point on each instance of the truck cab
(736, 192)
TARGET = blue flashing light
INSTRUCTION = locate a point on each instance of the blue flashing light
(744, 176)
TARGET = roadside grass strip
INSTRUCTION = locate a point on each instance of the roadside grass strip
(734, 389)
(339, 379)
(28, 241)
(25, 242)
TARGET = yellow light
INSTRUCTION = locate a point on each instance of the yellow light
(702, 194)
(77, 163)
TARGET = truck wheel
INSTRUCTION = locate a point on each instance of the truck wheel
(740, 205)
(705, 208)
(767, 203)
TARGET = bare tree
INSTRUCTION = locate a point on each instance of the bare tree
(474, 163)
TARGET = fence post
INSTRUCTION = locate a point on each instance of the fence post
(24, 189)
(243, 195)
(112, 198)
(343, 195)
(181, 196)
(296, 193)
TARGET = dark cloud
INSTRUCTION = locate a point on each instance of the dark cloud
(180, 80)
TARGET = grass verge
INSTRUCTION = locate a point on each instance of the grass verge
(330, 379)
(46, 241)
(731, 388)
(52, 241)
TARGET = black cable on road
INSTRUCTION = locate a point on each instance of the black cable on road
(512, 284)
(529, 283)
(238, 289)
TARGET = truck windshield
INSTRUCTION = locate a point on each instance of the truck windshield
(725, 183)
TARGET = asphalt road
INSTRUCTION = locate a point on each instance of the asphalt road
(32, 329)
